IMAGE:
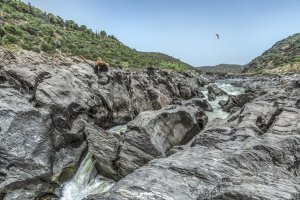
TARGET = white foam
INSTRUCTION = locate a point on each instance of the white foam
(87, 181)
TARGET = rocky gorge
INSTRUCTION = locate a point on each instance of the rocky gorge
(68, 131)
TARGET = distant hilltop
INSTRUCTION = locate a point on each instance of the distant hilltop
(283, 57)
(222, 68)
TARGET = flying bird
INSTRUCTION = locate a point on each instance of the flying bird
(218, 36)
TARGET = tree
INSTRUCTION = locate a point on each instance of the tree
(71, 25)
(60, 21)
(30, 8)
(103, 34)
(51, 18)
(113, 37)
(83, 28)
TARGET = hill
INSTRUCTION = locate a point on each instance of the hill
(283, 57)
(222, 68)
(26, 27)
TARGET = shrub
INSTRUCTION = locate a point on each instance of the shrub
(296, 59)
(47, 48)
(27, 46)
(30, 29)
(12, 39)
(2, 32)
(13, 29)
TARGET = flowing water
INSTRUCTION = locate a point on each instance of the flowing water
(229, 89)
(87, 181)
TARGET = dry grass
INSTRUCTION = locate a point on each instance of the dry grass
(289, 68)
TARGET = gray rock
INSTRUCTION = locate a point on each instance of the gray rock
(234, 109)
(211, 97)
(214, 89)
(105, 147)
(202, 103)
(50, 105)
(150, 135)
(236, 101)
(296, 84)
(26, 149)
(252, 156)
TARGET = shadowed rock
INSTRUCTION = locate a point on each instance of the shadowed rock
(59, 103)
(255, 155)
(215, 90)
(236, 101)
(150, 135)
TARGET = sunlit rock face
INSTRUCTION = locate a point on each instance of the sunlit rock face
(150, 135)
(252, 154)
(55, 143)
(46, 109)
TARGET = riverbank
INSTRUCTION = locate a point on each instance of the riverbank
(252, 154)
(178, 124)
(49, 110)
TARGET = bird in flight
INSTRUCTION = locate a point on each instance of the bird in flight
(218, 36)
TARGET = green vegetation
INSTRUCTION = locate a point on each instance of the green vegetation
(283, 57)
(296, 59)
(27, 27)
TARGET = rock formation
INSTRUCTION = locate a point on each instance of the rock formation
(53, 113)
(254, 154)
(48, 110)
(150, 135)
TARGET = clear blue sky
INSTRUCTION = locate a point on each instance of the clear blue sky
(186, 29)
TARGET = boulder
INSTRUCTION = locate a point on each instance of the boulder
(105, 147)
(150, 135)
(185, 91)
(25, 143)
(214, 89)
(296, 84)
(202, 103)
(211, 97)
(236, 101)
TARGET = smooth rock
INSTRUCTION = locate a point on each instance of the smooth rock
(150, 135)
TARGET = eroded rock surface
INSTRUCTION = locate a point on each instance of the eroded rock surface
(236, 101)
(49, 105)
(214, 90)
(253, 154)
(55, 110)
(150, 135)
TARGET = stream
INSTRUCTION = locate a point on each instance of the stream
(229, 89)
(87, 181)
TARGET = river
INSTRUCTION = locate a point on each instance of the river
(87, 181)
(229, 89)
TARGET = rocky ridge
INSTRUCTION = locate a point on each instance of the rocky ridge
(253, 154)
(53, 114)
(49, 111)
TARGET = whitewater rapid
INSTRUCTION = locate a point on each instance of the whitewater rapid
(217, 110)
(87, 181)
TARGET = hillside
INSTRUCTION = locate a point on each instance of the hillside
(222, 68)
(283, 57)
(26, 27)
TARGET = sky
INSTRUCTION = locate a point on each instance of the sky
(186, 29)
